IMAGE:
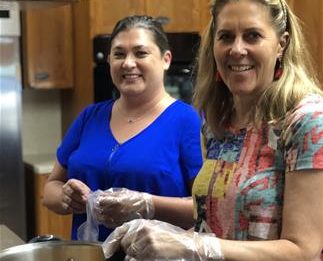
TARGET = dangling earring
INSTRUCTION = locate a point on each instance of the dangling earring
(278, 70)
(218, 77)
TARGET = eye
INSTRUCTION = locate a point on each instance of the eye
(225, 37)
(252, 37)
(118, 55)
(141, 54)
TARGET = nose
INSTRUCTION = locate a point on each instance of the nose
(238, 48)
(129, 61)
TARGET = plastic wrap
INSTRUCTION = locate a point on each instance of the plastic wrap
(89, 230)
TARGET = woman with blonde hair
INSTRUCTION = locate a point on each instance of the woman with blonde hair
(259, 193)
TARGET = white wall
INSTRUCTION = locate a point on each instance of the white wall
(41, 121)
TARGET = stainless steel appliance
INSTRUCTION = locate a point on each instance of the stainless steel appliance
(54, 251)
(12, 184)
(179, 78)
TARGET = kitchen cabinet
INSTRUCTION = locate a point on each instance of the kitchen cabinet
(183, 15)
(40, 220)
(312, 17)
(205, 15)
(47, 41)
(31, 4)
(105, 14)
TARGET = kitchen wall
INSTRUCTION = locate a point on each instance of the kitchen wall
(41, 121)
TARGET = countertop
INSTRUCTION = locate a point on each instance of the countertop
(40, 164)
(8, 238)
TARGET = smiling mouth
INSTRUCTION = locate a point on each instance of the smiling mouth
(240, 68)
(131, 76)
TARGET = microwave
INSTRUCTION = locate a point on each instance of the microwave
(179, 79)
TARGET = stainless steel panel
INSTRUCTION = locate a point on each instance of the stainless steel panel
(12, 182)
(55, 251)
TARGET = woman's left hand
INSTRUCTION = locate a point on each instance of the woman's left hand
(74, 196)
(157, 240)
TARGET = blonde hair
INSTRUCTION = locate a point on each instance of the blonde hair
(214, 100)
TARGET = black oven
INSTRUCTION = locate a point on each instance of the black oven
(179, 78)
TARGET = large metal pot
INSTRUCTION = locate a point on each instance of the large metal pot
(54, 251)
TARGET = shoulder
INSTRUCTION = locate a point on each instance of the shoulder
(305, 120)
(96, 109)
(310, 109)
(181, 118)
(303, 137)
(310, 103)
(184, 111)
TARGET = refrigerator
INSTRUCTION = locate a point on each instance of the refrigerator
(12, 181)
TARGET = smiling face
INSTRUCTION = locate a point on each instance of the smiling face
(246, 47)
(136, 63)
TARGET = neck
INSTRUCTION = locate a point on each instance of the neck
(242, 114)
(138, 104)
(136, 109)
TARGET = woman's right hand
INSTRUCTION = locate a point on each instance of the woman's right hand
(156, 240)
(75, 194)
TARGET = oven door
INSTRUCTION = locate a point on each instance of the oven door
(179, 82)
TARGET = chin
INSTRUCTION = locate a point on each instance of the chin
(243, 88)
(132, 91)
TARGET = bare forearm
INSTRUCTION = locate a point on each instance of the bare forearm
(53, 197)
(177, 211)
(278, 250)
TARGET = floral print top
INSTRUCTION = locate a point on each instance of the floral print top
(238, 193)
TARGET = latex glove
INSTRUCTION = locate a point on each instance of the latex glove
(156, 240)
(118, 205)
(74, 197)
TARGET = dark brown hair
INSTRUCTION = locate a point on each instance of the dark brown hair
(145, 22)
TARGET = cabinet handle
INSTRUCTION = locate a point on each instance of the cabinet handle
(41, 76)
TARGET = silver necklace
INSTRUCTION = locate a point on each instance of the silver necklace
(131, 119)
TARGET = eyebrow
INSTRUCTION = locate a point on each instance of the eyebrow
(245, 30)
(119, 47)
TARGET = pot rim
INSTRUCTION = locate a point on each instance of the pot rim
(47, 244)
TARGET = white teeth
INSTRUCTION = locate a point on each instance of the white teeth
(131, 76)
(240, 68)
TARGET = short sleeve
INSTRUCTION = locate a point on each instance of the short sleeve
(304, 136)
(72, 138)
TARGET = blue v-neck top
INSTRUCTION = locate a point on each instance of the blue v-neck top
(162, 159)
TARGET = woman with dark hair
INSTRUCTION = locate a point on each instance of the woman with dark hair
(142, 150)
(259, 193)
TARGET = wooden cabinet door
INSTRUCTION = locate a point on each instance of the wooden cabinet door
(105, 13)
(205, 14)
(290, 3)
(183, 15)
(48, 47)
(40, 220)
(46, 221)
(312, 17)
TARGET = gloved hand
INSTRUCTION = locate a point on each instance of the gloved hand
(118, 205)
(156, 240)
(74, 197)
